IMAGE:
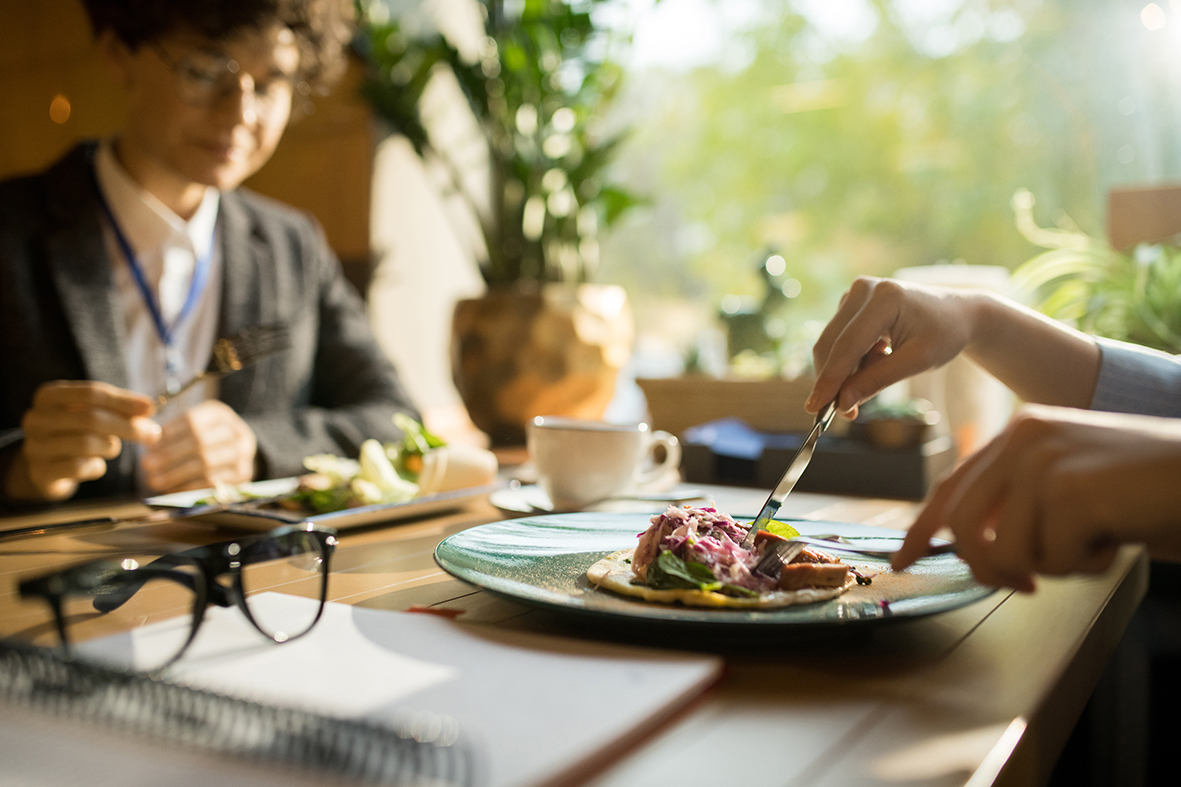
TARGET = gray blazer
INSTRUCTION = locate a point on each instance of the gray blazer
(59, 320)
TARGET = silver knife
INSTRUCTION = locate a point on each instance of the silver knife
(109, 522)
(794, 470)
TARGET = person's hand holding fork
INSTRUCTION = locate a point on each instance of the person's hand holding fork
(74, 427)
(70, 432)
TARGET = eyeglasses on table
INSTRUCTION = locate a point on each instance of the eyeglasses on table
(104, 597)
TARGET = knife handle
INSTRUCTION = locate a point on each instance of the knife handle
(18, 533)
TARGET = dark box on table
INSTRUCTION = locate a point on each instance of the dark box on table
(840, 465)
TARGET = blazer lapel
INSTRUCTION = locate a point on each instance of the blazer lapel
(245, 299)
(81, 269)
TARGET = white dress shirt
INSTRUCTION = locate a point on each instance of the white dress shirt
(166, 247)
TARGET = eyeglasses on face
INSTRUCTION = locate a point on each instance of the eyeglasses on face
(204, 78)
(123, 594)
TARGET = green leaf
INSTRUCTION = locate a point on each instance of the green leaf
(616, 202)
(324, 501)
(514, 57)
(782, 529)
(415, 442)
(415, 437)
(735, 590)
(669, 572)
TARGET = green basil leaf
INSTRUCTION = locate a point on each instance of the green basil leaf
(669, 572)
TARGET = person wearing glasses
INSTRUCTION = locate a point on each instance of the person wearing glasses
(1093, 462)
(124, 262)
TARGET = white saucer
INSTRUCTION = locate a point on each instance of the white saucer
(532, 499)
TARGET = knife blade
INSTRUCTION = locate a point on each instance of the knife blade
(799, 463)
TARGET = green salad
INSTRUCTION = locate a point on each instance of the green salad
(381, 474)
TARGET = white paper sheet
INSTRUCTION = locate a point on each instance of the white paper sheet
(333, 663)
(533, 705)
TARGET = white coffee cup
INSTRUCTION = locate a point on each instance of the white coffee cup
(580, 462)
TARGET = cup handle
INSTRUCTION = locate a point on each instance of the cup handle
(672, 458)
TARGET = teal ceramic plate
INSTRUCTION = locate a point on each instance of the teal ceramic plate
(542, 561)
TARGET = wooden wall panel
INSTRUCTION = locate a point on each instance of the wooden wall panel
(46, 49)
(323, 165)
(1148, 214)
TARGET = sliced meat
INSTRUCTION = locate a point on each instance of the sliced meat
(764, 539)
(766, 536)
(812, 555)
(813, 575)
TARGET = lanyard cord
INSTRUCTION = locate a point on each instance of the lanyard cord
(196, 286)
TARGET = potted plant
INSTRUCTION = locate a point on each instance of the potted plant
(1132, 297)
(544, 339)
(896, 425)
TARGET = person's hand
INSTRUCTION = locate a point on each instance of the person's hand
(71, 430)
(1056, 493)
(885, 331)
(205, 444)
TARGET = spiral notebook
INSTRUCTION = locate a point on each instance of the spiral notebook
(449, 703)
(73, 723)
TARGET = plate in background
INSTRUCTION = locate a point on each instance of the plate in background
(245, 516)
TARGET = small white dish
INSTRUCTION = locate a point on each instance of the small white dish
(517, 498)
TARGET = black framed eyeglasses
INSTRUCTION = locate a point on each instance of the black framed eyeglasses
(203, 78)
(123, 595)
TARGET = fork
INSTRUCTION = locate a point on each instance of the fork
(780, 553)
(232, 353)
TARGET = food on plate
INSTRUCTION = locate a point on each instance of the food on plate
(335, 483)
(418, 464)
(407, 454)
(695, 556)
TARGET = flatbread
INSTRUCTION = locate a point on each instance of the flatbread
(614, 573)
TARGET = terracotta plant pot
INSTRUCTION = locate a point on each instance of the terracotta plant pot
(900, 432)
(557, 349)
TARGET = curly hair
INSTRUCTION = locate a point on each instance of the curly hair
(321, 28)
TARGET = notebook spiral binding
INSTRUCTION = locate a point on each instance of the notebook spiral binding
(418, 749)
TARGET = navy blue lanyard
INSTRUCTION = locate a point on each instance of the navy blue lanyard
(196, 288)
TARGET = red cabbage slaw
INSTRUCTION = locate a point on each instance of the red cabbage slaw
(703, 536)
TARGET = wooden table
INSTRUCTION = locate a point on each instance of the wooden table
(986, 694)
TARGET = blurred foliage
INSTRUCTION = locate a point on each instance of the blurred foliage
(865, 157)
(1130, 297)
(539, 88)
